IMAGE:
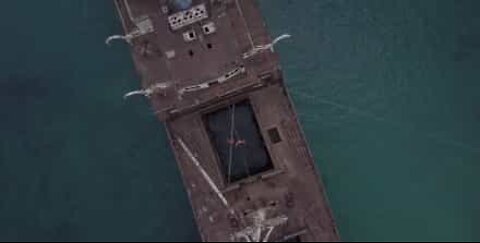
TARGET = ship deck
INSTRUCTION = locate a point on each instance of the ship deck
(199, 61)
(243, 132)
(291, 185)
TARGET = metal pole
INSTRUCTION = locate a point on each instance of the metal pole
(204, 173)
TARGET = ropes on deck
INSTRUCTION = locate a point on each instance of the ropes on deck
(231, 142)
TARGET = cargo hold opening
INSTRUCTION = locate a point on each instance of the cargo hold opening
(236, 137)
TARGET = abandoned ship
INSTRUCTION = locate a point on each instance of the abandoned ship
(212, 75)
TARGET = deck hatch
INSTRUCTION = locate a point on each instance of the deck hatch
(236, 137)
(274, 135)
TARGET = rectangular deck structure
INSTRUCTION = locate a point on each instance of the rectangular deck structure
(219, 90)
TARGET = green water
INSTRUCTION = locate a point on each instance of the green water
(387, 92)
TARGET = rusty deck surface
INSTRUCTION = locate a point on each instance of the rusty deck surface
(186, 82)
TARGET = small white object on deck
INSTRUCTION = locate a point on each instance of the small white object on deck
(188, 17)
(144, 26)
(148, 92)
(262, 48)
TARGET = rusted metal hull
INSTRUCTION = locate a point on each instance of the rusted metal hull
(200, 94)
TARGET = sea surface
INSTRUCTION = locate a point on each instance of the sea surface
(388, 93)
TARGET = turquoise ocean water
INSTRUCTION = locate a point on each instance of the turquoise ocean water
(388, 94)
